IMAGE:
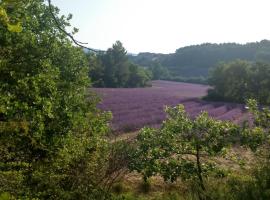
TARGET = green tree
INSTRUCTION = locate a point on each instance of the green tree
(96, 72)
(112, 69)
(230, 80)
(159, 72)
(259, 82)
(51, 133)
(138, 76)
(182, 147)
(259, 133)
(115, 66)
(256, 183)
(240, 80)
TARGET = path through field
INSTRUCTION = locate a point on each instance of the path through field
(134, 108)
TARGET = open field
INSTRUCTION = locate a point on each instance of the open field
(134, 108)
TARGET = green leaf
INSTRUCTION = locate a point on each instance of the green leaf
(17, 28)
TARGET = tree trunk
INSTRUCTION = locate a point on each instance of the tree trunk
(199, 169)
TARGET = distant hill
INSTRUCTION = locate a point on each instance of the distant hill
(196, 60)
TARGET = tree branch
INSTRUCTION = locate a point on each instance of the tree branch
(78, 43)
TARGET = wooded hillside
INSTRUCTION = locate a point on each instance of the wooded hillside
(196, 60)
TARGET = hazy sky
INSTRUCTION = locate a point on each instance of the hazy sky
(165, 25)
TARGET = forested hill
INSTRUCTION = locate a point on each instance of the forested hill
(195, 61)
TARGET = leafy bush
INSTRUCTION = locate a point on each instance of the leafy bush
(52, 140)
(182, 147)
(240, 80)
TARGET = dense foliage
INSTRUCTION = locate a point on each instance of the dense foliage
(112, 69)
(253, 184)
(159, 72)
(193, 62)
(10, 12)
(187, 149)
(176, 150)
(240, 80)
(51, 134)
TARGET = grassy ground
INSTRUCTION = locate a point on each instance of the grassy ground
(132, 185)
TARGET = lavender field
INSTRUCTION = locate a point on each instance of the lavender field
(134, 108)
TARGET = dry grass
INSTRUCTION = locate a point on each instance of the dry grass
(123, 137)
(133, 182)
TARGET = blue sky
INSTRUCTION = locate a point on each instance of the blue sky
(162, 26)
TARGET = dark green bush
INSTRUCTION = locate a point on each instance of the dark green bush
(240, 80)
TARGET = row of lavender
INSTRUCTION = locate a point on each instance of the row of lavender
(134, 108)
